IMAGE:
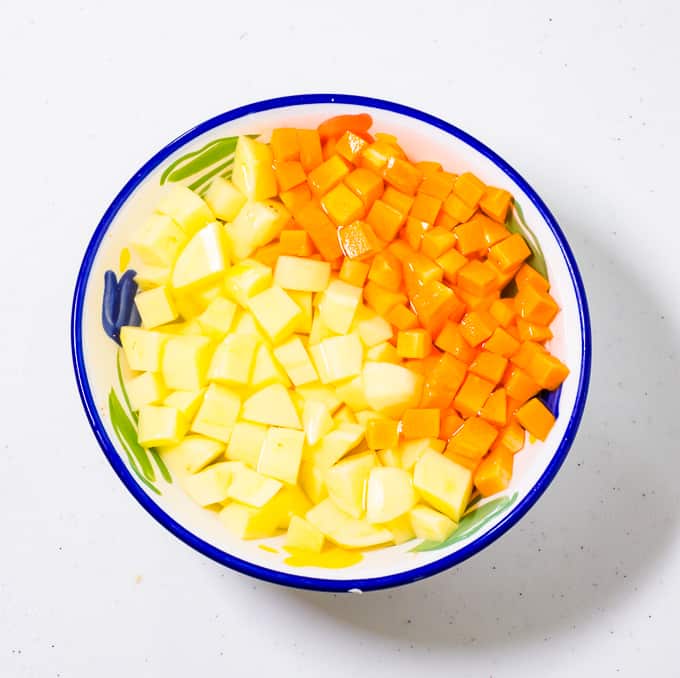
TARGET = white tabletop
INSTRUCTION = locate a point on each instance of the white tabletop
(583, 102)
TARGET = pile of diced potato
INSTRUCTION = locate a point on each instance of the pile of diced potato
(345, 384)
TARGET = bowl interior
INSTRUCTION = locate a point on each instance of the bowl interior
(422, 137)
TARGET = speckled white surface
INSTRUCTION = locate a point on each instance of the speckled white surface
(582, 102)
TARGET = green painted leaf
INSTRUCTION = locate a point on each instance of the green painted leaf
(471, 522)
(123, 390)
(133, 463)
(209, 175)
(516, 223)
(185, 158)
(161, 465)
(126, 429)
(216, 153)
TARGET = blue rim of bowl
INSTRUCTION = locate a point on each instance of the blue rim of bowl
(243, 566)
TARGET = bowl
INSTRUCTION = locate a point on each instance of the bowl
(199, 154)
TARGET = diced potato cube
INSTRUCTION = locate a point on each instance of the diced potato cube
(319, 331)
(246, 522)
(335, 444)
(192, 454)
(217, 414)
(145, 389)
(246, 443)
(252, 173)
(158, 240)
(344, 416)
(346, 482)
(224, 199)
(272, 405)
(343, 530)
(256, 225)
(389, 494)
(245, 323)
(316, 420)
(312, 480)
(390, 457)
(323, 394)
(338, 306)
(304, 536)
(295, 360)
(160, 425)
(232, 362)
(401, 529)
(246, 279)
(276, 313)
(156, 307)
(304, 302)
(217, 319)
(266, 370)
(430, 524)
(187, 402)
(202, 261)
(338, 358)
(351, 392)
(142, 348)
(443, 483)
(383, 353)
(185, 362)
(293, 502)
(411, 451)
(186, 207)
(211, 485)
(281, 454)
(374, 330)
(302, 274)
(149, 276)
(252, 488)
(391, 389)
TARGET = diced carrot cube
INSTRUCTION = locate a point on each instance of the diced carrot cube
(328, 147)
(451, 421)
(402, 175)
(495, 408)
(469, 189)
(311, 154)
(402, 318)
(442, 381)
(367, 185)
(354, 272)
(509, 253)
(296, 197)
(473, 439)
(490, 366)
(284, 144)
(533, 332)
(536, 418)
(359, 123)
(495, 203)
(536, 307)
(380, 299)
(451, 261)
(547, 370)
(414, 343)
(268, 254)
(350, 146)
(433, 303)
(470, 237)
(289, 174)
(451, 340)
(420, 423)
(512, 329)
(511, 437)
(376, 155)
(494, 473)
(520, 386)
(329, 173)
(524, 355)
(296, 243)
(477, 303)
(472, 395)
(477, 278)
(358, 240)
(421, 365)
(382, 433)
(528, 275)
(477, 326)
(386, 271)
(321, 230)
(425, 207)
(385, 220)
(467, 462)
(342, 206)
(503, 278)
(446, 221)
(436, 241)
(493, 231)
(414, 231)
(400, 201)
(457, 209)
(503, 311)
(428, 167)
(438, 184)
(502, 343)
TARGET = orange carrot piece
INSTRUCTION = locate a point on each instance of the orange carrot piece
(535, 306)
(350, 146)
(425, 207)
(358, 240)
(470, 237)
(469, 189)
(457, 209)
(495, 203)
(451, 340)
(472, 395)
(547, 370)
(509, 253)
(420, 423)
(446, 221)
(502, 343)
(533, 332)
(311, 155)
(477, 326)
(451, 262)
(536, 418)
(296, 243)
(442, 381)
(414, 231)
(380, 299)
(450, 423)
(382, 433)
(284, 144)
(473, 439)
(439, 185)
(268, 254)
(495, 408)
(530, 276)
(414, 343)
(436, 241)
(385, 220)
(336, 126)
(433, 303)
(511, 437)
(328, 147)
(326, 175)
(366, 185)
(354, 272)
(400, 201)
(401, 317)
(494, 473)
(428, 167)
(386, 271)
(490, 366)
(477, 278)
(296, 197)
(289, 174)
(402, 175)
(321, 230)
(342, 206)
(520, 386)
(503, 311)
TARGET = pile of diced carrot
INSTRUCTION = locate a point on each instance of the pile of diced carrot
(432, 254)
